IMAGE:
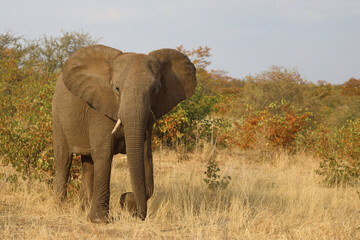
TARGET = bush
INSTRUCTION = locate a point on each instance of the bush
(339, 151)
(275, 85)
(189, 122)
(25, 118)
(279, 125)
(213, 179)
(28, 71)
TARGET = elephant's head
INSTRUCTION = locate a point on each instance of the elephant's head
(133, 88)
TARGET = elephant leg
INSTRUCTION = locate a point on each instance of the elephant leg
(87, 181)
(62, 158)
(127, 200)
(101, 187)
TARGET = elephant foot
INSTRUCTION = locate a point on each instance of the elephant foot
(98, 218)
(127, 202)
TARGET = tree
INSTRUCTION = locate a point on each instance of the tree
(351, 87)
(198, 56)
(54, 51)
(213, 82)
(278, 84)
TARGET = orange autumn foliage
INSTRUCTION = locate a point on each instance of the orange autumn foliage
(278, 130)
(351, 87)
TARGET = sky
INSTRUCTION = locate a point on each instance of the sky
(318, 38)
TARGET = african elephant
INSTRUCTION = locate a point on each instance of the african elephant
(105, 103)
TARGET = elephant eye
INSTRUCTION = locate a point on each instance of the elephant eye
(117, 89)
(155, 91)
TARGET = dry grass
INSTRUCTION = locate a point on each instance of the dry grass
(281, 199)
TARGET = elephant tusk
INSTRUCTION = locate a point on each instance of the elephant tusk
(116, 126)
(153, 115)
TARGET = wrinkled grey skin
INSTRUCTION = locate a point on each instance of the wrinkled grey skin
(98, 86)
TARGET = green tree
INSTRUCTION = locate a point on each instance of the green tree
(54, 51)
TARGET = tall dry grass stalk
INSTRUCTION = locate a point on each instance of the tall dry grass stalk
(279, 199)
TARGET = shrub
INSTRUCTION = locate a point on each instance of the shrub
(351, 87)
(27, 78)
(189, 122)
(275, 85)
(278, 124)
(25, 119)
(212, 177)
(339, 151)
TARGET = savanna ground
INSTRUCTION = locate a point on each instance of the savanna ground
(281, 199)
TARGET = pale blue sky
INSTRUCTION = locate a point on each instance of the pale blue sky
(319, 38)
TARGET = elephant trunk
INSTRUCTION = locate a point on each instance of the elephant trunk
(134, 126)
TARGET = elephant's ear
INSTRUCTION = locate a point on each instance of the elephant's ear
(178, 79)
(87, 74)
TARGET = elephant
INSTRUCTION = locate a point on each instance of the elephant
(106, 102)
